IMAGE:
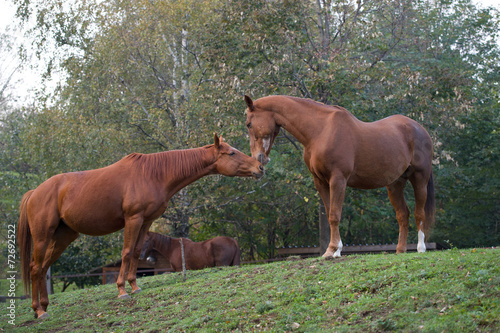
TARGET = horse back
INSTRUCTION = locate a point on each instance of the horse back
(86, 199)
(368, 154)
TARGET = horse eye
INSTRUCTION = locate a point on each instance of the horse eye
(249, 125)
(232, 153)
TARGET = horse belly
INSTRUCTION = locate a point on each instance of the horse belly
(95, 227)
(93, 222)
(380, 167)
(369, 183)
(92, 213)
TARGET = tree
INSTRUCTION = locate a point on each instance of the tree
(11, 182)
(148, 76)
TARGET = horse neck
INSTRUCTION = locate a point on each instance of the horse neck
(177, 168)
(303, 118)
(191, 165)
(164, 244)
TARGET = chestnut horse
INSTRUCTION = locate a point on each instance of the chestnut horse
(129, 194)
(340, 151)
(218, 251)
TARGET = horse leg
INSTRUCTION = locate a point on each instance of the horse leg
(43, 225)
(63, 236)
(396, 195)
(133, 227)
(324, 193)
(337, 194)
(134, 261)
(39, 288)
(419, 183)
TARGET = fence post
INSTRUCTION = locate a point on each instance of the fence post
(183, 261)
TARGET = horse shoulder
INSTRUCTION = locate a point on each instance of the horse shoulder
(333, 148)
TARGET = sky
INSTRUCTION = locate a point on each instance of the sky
(23, 80)
(27, 79)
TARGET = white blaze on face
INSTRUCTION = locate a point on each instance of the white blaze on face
(421, 238)
(266, 143)
(339, 249)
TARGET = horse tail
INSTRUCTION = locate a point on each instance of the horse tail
(24, 241)
(430, 205)
(237, 255)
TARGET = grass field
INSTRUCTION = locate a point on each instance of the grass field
(442, 291)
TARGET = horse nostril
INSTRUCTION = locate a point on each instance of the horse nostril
(261, 168)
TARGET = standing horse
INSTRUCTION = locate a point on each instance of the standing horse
(218, 251)
(130, 194)
(340, 151)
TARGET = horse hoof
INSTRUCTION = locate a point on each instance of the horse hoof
(44, 315)
(124, 296)
(136, 291)
(331, 255)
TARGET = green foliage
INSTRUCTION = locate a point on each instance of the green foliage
(258, 218)
(472, 181)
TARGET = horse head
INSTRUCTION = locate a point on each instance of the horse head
(231, 162)
(147, 250)
(146, 247)
(262, 129)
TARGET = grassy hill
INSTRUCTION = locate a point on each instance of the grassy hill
(445, 291)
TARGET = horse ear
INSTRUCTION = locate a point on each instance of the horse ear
(249, 102)
(216, 140)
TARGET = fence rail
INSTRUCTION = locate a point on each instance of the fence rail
(354, 249)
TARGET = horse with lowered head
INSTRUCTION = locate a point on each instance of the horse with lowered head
(218, 251)
(129, 194)
(340, 150)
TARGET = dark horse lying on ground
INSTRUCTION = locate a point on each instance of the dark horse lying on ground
(218, 251)
(130, 194)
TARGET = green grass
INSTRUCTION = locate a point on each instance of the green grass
(445, 291)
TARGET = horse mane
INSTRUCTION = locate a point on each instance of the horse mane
(174, 163)
(307, 101)
(326, 107)
(159, 243)
(323, 105)
(157, 238)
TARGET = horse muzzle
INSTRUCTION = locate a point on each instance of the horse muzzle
(151, 260)
(260, 174)
(262, 158)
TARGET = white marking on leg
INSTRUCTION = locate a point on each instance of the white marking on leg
(339, 249)
(421, 244)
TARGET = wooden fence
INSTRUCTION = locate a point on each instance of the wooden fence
(352, 249)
